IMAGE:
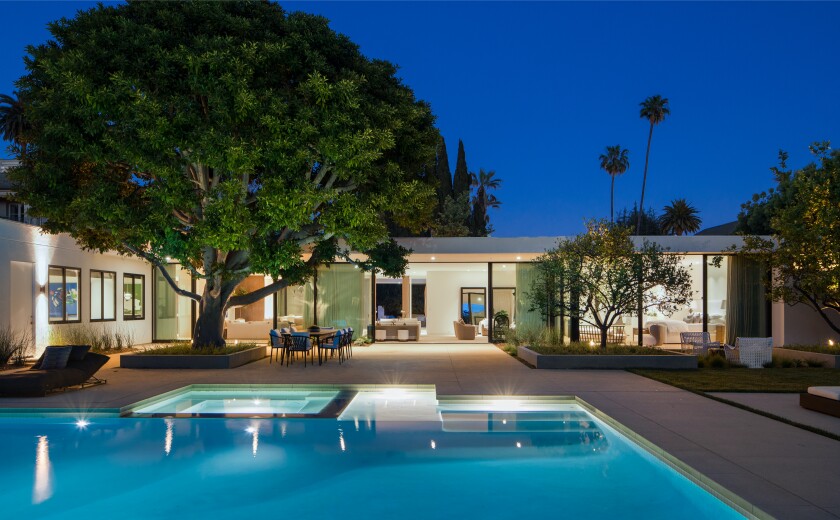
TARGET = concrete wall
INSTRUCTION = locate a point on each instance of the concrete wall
(22, 245)
(801, 325)
(443, 297)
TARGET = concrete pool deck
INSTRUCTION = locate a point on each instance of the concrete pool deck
(786, 471)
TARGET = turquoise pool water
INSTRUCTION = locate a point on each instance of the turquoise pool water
(243, 402)
(464, 460)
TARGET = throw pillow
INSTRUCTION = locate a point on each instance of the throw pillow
(55, 358)
(78, 352)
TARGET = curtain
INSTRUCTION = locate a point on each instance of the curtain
(746, 303)
(300, 300)
(525, 318)
(341, 302)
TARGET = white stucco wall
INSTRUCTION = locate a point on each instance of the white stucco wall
(26, 244)
(443, 297)
(801, 325)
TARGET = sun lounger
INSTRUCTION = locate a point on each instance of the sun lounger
(823, 399)
(41, 382)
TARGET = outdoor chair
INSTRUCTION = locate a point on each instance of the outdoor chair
(278, 341)
(750, 352)
(697, 342)
(348, 338)
(300, 342)
(334, 346)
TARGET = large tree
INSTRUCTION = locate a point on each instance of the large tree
(607, 274)
(13, 124)
(804, 248)
(679, 218)
(443, 173)
(232, 137)
(461, 182)
(484, 183)
(615, 162)
(654, 109)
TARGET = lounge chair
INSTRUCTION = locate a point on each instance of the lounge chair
(37, 381)
(823, 399)
(464, 331)
(750, 352)
(697, 342)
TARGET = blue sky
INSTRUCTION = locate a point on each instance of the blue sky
(537, 90)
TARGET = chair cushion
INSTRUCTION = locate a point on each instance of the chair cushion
(78, 352)
(56, 357)
(829, 392)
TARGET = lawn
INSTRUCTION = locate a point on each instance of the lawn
(787, 380)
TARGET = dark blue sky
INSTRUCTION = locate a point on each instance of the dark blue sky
(537, 90)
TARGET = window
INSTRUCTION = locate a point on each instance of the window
(133, 303)
(16, 212)
(103, 295)
(63, 297)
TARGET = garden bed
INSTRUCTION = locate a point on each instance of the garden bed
(781, 380)
(178, 357)
(560, 358)
(830, 358)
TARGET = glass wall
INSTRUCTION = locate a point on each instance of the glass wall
(685, 319)
(746, 303)
(716, 289)
(173, 313)
(504, 299)
(300, 308)
(525, 317)
(344, 297)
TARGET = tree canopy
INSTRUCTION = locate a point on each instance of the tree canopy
(804, 221)
(232, 137)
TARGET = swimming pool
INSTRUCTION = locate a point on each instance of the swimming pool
(469, 458)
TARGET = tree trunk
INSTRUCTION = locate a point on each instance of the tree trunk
(604, 331)
(644, 181)
(209, 326)
(612, 197)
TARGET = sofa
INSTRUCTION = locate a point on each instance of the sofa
(38, 382)
(248, 330)
(668, 331)
(391, 328)
(464, 331)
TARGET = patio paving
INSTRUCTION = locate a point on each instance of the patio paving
(786, 406)
(786, 471)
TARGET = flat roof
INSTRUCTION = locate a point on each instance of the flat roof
(511, 249)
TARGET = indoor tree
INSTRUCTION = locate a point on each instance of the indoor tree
(654, 109)
(679, 218)
(232, 137)
(615, 162)
(610, 277)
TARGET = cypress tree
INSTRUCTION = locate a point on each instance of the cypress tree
(444, 174)
(461, 184)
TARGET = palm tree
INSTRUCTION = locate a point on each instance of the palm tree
(13, 124)
(679, 218)
(654, 109)
(615, 162)
(483, 182)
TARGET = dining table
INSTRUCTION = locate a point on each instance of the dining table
(319, 336)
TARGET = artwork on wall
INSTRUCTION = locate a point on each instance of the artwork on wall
(58, 300)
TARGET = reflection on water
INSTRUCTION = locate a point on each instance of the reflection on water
(167, 441)
(254, 430)
(43, 488)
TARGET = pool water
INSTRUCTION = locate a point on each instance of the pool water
(466, 460)
(243, 402)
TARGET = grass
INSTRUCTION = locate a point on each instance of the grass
(186, 349)
(777, 380)
(820, 349)
(583, 349)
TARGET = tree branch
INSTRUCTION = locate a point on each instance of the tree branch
(154, 261)
(257, 295)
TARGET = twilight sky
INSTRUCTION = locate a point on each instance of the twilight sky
(537, 90)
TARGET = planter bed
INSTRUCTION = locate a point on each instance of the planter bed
(674, 361)
(199, 361)
(828, 360)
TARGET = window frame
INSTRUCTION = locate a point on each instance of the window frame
(102, 295)
(64, 319)
(133, 317)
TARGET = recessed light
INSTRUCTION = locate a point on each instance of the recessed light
(519, 258)
(433, 258)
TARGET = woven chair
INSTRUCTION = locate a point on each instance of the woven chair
(697, 342)
(750, 352)
(300, 342)
(278, 341)
(348, 338)
(334, 346)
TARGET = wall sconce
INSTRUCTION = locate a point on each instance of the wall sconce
(42, 289)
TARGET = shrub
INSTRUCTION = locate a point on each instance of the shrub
(15, 345)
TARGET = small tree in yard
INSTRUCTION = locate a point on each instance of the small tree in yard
(803, 215)
(608, 273)
(230, 136)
